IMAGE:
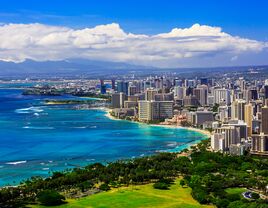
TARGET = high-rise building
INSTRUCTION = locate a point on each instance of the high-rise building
(150, 94)
(252, 94)
(164, 97)
(238, 109)
(266, 91)
(122, 87)
(204, 116)
(102, 87)
(118, 100)
(222, 96)
(154, 110)
(241, 127)
(113, 84)
(231, 136)
(132, 90)
(218, 142)
(264, 120)
(178, 82)
(204, 81)
(201, 93)
(190, 101)
(249, 117)
(179, 92)
(259, 144)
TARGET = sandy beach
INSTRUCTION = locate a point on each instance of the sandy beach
(207, 133)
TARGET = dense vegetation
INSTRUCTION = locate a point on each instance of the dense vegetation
(208, 174)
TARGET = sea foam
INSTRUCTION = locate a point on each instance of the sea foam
(29, 110)
(16, 162)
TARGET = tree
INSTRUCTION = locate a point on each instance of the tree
(255, 195)
(182, 183)
(50, 198)
(105, 187)
(161, 185)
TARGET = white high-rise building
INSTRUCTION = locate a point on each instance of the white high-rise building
(222, 96)
(218, 142)
(179, 92)
(238, 109)
(154, 110)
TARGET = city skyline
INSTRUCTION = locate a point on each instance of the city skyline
(148, 34)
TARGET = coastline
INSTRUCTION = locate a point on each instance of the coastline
(108, 115)
(207, 134)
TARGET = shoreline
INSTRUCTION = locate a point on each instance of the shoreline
(188, 146)
(108, 115)
(176, 149)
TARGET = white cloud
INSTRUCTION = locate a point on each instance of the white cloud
(110, 43)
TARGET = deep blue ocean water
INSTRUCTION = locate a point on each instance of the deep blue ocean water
(36, 139)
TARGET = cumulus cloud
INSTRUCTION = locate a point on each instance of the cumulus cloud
(39, 42)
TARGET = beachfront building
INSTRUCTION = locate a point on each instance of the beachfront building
(259, 144)
(154, 110)
(204, 116)
(118, 100)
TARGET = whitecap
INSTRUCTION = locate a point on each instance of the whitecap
(35, 127)
(16, 162)
(93, 127)
(90, 159)
(29, 110)
(172, 144)
(45, 168)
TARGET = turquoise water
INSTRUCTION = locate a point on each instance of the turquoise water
(36, 139)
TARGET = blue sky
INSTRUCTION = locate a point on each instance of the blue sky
(245, 18)
(228, 32)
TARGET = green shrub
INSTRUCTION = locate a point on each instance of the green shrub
(255, 195)
(161, 185)
(105, 187)
(50, 198)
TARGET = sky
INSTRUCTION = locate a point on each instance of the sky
(186, 33)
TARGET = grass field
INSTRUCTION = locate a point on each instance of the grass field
(138, 196)
(235, 190)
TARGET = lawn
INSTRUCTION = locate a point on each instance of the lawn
(235, 190)
(138, 196)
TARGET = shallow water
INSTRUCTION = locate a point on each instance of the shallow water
(36, 139)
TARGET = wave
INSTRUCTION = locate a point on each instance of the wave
(29, 110)
(45, 168)
(35, 127)
(16, 162)
(172, 144)
(90, 159)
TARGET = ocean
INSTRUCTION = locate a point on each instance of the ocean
(37, 139)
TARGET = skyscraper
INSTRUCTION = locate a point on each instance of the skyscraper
(153, 110)
(122, 87)
(222, 96)
(150, 93)
(249, 117)
(264, 120)
(266, 91)
(118, 100)
(201, 93)
(238, 109)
